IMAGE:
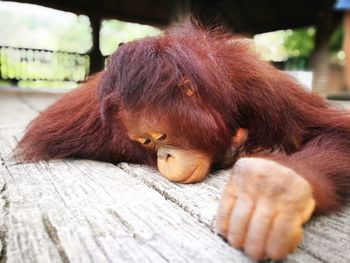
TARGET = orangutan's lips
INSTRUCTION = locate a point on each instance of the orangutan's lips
(183, 166)
(193, 174)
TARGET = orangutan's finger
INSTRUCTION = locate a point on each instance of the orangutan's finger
(239, 221)
(258, 231)
(284, 236)
(227, 203)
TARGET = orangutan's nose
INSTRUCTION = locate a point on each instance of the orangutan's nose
(182, 166)
(164, 154)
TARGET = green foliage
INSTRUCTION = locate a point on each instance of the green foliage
(336, 41)
(294, 45)
(31, 26)
(47, 85)
(299, 42)
(29, 64)
(37, 27)
(44, 28)
(114, 32)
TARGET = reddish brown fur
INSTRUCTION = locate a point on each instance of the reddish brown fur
(231, 87)
(72, 128)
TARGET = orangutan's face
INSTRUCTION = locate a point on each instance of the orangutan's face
(174, 163)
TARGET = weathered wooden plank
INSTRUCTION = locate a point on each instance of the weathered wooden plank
(200, 200)
(36, 102)
(89, 211)
(85, 211)
(17, 110)
(328, 237)
(325, 237)
(14, 113)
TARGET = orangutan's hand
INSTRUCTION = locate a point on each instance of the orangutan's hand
(263, 208)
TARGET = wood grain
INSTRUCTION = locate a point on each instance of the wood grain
(87, 211)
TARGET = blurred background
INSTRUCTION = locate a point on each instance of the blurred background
(53, 45)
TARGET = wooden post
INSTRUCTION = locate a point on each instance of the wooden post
(347, 48)
(319, 60)
(96, 58)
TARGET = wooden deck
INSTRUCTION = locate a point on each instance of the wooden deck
(86, 211)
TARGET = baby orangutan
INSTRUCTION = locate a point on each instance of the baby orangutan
(192, 101)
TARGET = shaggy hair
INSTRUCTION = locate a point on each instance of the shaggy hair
(231, 88)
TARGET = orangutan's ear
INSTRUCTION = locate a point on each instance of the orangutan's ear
(187, 86)
(239, 138)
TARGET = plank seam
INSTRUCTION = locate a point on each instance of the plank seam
(169, 197)
(312, 254)
(51, 231)
(4, 228)
(29, 105)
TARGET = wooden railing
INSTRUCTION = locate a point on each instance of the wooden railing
(39, 64)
